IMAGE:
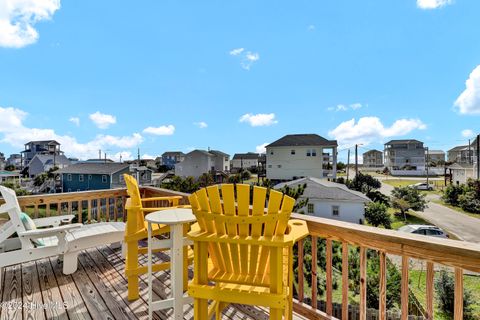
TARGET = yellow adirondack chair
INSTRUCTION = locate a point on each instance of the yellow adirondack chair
(136, 230)
(245, 250)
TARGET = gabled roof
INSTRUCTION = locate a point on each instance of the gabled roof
(322, 189)
(302, 140)
(51, 159)
(430, 152)
(372, 151)
(173, 153)
(219, 153)
(458, 148)
(43, 142)
(246, 156)
(94, 168)
(101, 160)
(464, 166)
(403, 141)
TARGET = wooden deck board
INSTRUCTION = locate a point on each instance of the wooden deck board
(97, 290)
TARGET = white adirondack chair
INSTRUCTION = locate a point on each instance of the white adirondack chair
(51, 238)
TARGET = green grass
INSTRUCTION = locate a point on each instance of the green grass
(398, 221)
(438, 185)
(418, 287)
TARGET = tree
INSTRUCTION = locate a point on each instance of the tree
(187, 185)
(206, 180)
(16, 187)
(377, 196)
(469, 202)
(341, 165)
(10, 167)
(445, 287)
(296, 193)
(376, 214)
(364, 183)
(452, 192)
(406, 198)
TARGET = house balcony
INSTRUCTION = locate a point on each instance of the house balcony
(98, 290)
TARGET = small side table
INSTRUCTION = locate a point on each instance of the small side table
(175, 218)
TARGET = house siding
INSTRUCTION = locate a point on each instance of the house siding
(95, 183)
(294, 166)
(353, 212)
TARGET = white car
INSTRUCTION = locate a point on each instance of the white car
(422, 186)
(426, 230)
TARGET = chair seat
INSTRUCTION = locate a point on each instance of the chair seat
(103, 231)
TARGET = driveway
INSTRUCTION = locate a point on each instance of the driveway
(461, 225)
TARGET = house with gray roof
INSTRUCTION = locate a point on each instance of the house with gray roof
(405, 157)
(330, 200)
(44, 147)
(247, 161)
(171, 158)
(373, 159)
(198, 162)
(460, 154)
(301, 155)
(43, 162)
(93, 176)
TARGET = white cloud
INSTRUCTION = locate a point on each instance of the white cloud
(14, 133)
(201, 124)
(236, 52)
(467, 133)
(75, 120)
(261, 148)
(122, 155)
(18, 18)
(102, 120)
(369, 129)
(247, 58)
(160, 131)
(433, 4)
(468, 102)
(343, 107)
(311, 27)
(260, 119)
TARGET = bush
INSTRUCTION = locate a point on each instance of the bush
(364, 183)
(406, 198)
(445, 287)
(377, 196)
(341, 180)
(469, 202)
(451, 194)
(376, 214)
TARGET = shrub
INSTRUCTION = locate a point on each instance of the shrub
(364, 183)
(377, 196)
(469, 202)
(445, 287)
(376, 214)
(451, 194)
(406, 198)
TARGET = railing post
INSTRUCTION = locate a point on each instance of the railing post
(314, 272)
(382, 307)
(404, 293)
(344, 281)
(329, 276)
(430, 290)
(458, 311)
(300, 271)
(363, 283)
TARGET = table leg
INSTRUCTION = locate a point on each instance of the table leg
(150, 276)
(176, 232)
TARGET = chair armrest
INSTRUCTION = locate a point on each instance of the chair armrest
(53, 221)
(40, 233)
(165, 208)
(162, 198)
(298, 229)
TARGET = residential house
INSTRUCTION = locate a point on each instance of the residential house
(301, 155)
(3, 162)
(33, 148)
(99, 160)
(435, 157)
(44, 162)
(405, 157)
(198, 162)
(460, 172)
(142, 174)
(245, 161)
(475, 157)
(171, 158)
(6, 176)
(92, 176)
(330, 200)
(460, 154)
(373, 159)
(15, 160)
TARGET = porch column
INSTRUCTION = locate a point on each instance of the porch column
(334, 164)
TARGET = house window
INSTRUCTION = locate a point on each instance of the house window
(69, 177)
(314, 153)
(271, 152)
(279, 166)
(335, 210)
(310, 208)
(69, 190)
(122, 179)
(104, 178)
(80, 177)
(269, 165)
(292, 152)
(309, 152)
(89, 177)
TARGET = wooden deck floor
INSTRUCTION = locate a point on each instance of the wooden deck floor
(98, 290)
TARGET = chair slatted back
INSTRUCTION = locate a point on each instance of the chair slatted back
(229, 211)
(134, 202)
(13, 207)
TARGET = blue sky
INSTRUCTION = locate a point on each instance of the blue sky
(234, 75)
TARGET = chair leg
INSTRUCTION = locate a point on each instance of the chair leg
(131, 263)
(200, 309)
(124, 250)
(70, 262)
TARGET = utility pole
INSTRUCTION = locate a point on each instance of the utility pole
(356, 160)
(478, 156)
(470, 156)
(348, 163)
(428, 162)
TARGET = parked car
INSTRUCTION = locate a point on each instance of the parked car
(426, 230)
(422, 186)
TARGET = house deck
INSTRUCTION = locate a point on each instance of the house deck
(98, 290)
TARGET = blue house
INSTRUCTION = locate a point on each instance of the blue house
(93, 176)
(171, 158)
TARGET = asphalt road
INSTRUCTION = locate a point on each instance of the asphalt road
(461, 225)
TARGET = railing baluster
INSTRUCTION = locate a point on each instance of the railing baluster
(363, 283)
(300, 270)
(89, 211)
(59, 208)
(383, 286)
(124, 215)
(47, 210)
(344, 281)
(329, 276)
(404, 293)
(80, 211)
(99, 210)
(115, 209)
(107, 207)
(35, 211)
(458, 311)
(314, 272)
(430, 290)
(69, 207)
